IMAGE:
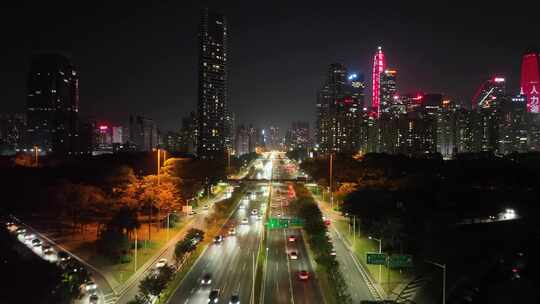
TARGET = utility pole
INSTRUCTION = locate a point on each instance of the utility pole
(380, 251)
(158, 163)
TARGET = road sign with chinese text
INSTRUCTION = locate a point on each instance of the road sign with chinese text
(375, 258)
(400, 261)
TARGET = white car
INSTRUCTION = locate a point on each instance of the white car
(245, 221)
(254, 212)
(90, 286)
(293, 255)
(232, 231)
(29, 236)
(333, 252)
(161, 263)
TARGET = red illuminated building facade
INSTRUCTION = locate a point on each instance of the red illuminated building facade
(530, 80)
(379, 65)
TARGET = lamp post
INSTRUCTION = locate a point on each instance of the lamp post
(380, 251)
(36, 150)
(443, 267)
(168, 215)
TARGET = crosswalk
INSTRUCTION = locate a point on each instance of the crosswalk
(406, 296)
(110, 298)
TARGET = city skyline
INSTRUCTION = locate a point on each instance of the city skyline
(171, 94)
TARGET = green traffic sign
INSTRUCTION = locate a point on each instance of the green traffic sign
(375, 258)
(400, 261)
(296, 222)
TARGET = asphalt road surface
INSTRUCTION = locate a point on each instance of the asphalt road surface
(229, 263)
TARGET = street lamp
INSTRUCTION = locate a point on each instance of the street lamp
(36, 150)
(380, 251)
(443, 267)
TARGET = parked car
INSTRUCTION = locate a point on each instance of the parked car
(94, 299)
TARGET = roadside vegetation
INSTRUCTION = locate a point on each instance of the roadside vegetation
(320, 245)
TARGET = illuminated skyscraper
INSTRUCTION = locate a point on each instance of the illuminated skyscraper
(339, 105)
(530, 80)
(387, 90)
(379, 66)
(214, 119)
(52, 105)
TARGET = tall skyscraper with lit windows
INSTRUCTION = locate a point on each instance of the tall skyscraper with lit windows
(52, 105)
(379, 65)
(530, 80)
(212, 108)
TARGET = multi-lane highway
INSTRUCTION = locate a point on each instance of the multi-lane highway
(230, 263)
(287, 255)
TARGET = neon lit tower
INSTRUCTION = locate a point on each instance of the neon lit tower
(530, 80)
(378, 68)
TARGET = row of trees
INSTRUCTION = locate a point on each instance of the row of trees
(154, 284)
(318, 240)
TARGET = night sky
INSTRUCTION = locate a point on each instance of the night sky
(142, 58)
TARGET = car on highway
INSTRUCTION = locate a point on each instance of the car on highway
(161, 263)
(293, 255)
(327, 222)
(218, 239)
(11, 226)
(20, 230)
(206, 279)
(278, 214)
(254, 211)
(333, 252)
(205, 207)
(232, 231)
(29, 236)
(303, 275)
(47, 249)
(292, 238)
(94, 299)
(90, 286)
(73, 266)
(36, 243)
(214, 296)
(245, 221)
(192, 212)
(63, 256)
(235, 299)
